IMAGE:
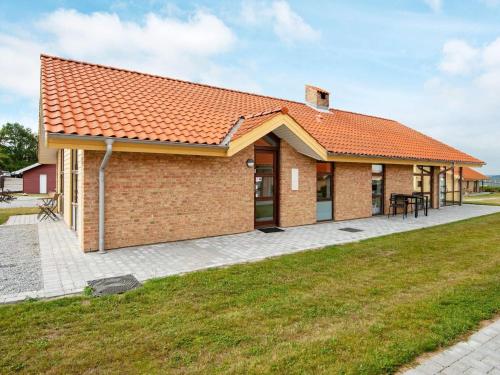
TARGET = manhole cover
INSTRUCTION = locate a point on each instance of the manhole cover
(352, 230)
(271, 230)
(113, 285)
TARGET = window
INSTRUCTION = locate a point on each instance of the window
(324, 187)
(450, 186)
(61, 181)
(423, 181)
(322, 95)
(377, 189)
(74, 189)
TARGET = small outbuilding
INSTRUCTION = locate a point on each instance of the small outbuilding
(38, 178)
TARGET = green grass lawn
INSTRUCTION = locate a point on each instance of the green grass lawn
(490, 199)
(367, 307)
(5, 213)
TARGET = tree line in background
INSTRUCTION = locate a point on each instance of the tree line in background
(18, 147)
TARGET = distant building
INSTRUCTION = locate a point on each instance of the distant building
(38, 178)
(472, 180)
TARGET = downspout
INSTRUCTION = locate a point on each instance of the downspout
(105, 160)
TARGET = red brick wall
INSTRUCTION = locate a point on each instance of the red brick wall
(352, 191)
(297, 207)
(398, 179)
(31, 179)
(154, 198)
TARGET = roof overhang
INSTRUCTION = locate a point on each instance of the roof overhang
(369, 159)
(25, 169)
(283, 125)
(96, 143)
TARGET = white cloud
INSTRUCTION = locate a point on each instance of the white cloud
(435, 5)
(491, 54)
(289, 26)
(162, 45)
(482, 64)
(19, 65)
(458, 57)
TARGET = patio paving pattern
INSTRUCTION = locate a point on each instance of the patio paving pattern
(66, 269)
(480, 354)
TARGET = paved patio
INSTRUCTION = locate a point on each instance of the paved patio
(66, 269)
(480, 354)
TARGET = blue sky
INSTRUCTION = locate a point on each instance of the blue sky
(431, 64)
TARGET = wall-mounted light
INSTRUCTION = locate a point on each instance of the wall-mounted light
(250, 163)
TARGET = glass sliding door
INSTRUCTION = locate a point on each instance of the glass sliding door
(324, 187)
(450, 186)
(442, 190)
(423, 181)
(377, 189)
(266, 177)
(61, 182)
(74, 189)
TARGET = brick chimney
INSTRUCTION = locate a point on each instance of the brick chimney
(317, 98)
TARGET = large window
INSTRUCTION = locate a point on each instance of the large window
(377, 189)
(324, 189)
(423, 181)
(61, 181)
(450, 186)
(74, 189)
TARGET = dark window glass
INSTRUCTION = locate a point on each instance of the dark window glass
(324, 187)
(377, 189)
(377, 185)
(324, 204)
(264, 186)
(264, 210)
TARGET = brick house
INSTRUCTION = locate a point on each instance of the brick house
(145, 159)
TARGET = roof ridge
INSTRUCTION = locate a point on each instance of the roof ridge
(167, 78)
(362, 114)
(203, 85)
(264, 113)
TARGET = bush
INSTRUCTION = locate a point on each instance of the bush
(491, 189)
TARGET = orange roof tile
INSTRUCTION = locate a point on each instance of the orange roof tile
(471, 174)
(95, 100)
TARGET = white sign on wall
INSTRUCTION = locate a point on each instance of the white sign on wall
(295, 179)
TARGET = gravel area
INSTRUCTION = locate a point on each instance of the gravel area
(21, 201)
(20, 266)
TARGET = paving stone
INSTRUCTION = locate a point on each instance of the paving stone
(479, 360)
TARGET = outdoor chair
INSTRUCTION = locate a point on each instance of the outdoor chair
(397, 201)
(421, 203)
(48, 207)
(7, 196)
